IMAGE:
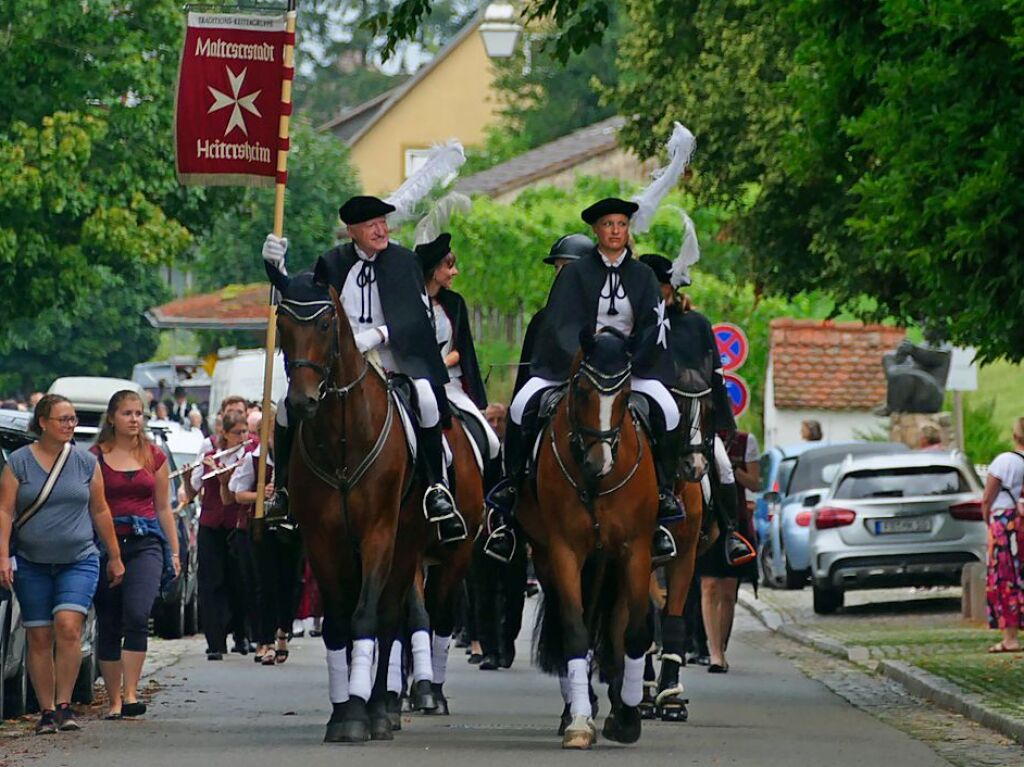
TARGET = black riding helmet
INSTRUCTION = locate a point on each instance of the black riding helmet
(570, 247)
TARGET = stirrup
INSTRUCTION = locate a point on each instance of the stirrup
(509, 484)
(750, 556)
(447, 494)
(680, 512)
(276, 509)
(660, 559)
(452, 536)
(502, 533)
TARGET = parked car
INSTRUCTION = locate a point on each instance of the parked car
(176, 610)
(16, 695)
(90, 396)
(240, 371)
(905, 520)
(795, 479)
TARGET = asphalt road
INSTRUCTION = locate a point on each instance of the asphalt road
(763, 713)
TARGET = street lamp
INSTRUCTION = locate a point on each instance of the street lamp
(500, 30)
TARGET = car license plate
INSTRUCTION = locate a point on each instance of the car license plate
(905, 525)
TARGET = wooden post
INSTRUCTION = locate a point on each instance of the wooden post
(266, 422)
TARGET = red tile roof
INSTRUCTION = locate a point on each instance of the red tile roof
(820, 365)
(236, 307)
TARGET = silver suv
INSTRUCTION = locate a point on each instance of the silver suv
(910, 519)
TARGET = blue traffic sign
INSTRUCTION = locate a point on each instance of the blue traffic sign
(739, 394)
(732, 345)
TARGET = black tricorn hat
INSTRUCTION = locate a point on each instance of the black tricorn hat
(662, 267)
(431, 253)
(606, 207)
(362, 208)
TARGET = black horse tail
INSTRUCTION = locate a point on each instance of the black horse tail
(600, 590)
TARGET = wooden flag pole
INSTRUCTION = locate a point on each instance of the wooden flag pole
(266, 422)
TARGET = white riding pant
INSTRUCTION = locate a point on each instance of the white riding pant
(459, 399)
(651, 387)
(429, 413)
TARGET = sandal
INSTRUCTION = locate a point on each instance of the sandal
(1000, 646)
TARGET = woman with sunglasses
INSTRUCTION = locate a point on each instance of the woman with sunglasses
(138, 492)
(58, 564)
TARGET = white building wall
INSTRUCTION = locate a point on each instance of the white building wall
(782, 427)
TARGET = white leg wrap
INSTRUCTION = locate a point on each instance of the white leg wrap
(337, 675)
(395, 668)
(579, 684)
(566, 688)
(421, 668)
(633, 681)
(360, 680)
(439, 658)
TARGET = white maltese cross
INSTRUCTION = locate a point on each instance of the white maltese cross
(222, 100)
(664, 325)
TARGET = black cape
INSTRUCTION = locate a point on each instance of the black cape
(529, 341)
(462, 341)
(403, 298)
(695, 357)
(572, 305)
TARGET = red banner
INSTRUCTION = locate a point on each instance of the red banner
(228, 106)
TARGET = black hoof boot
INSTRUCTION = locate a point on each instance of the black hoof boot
(349, 723)
(393, 705)
(439, 697)
(380, 722)
(670, 703)
(565, 721)
(623, 725)
(489, 662)
(647, 705)
(421, 696)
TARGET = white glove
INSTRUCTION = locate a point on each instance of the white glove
(368, 340)
(274, 248)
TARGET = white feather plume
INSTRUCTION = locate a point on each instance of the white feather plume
(680, 149)
(689, 252)
(442, 163)
(436, 221)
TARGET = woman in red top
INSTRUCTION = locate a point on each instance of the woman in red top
(137, 488)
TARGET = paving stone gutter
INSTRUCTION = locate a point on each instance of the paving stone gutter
(918, 682)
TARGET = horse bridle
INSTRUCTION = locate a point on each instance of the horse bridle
(706, 444)
(297, 311)
(584, 437)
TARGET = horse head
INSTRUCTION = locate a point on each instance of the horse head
(598, 399)
(306, 324)
(693, 395)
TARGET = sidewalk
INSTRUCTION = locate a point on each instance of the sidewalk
(914, 637)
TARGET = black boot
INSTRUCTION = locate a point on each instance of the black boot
(501, 501)
(438, 503)
(665, 447)
(738, 550)
(276, 509)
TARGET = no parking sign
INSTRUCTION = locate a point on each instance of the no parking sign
(732, 345)
(739, 394)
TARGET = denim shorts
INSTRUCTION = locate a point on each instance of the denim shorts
(44, 590)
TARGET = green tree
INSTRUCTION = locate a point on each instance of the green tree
(89, 203)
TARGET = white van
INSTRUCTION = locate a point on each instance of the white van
(240, 371)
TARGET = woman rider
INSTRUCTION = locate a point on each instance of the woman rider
(465, 388)
(605, 288)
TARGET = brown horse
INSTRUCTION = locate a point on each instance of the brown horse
(438, 572)
(694, 535)
(590, 520)
(349, 473)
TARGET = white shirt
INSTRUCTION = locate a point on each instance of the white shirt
(360, 299)
(613, 289)
(244, 477)
(443, 333)
(225, 460)
(1008, 468)
(752, 455)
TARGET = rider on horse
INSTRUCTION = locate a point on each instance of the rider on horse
(694, 351)
(381, 288)
(604, 289)
(465, 388)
